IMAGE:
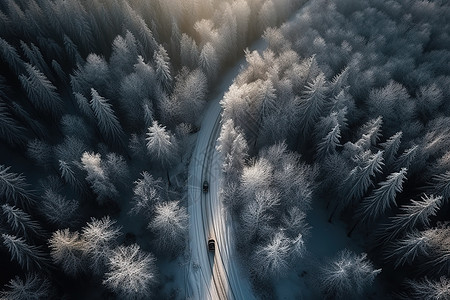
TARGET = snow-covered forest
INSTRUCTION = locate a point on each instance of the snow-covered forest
(334, 145)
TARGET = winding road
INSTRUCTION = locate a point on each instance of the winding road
(212, 275)
(215, 275)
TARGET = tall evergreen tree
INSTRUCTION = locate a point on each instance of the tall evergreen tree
(28, 256)
(170, 223)
(163, 67)
(100, 237)
(161, 143)
(131, 272)
(33, 287)
(21, 222)
(10, 130)
(391, 147)
(209, 60)
(329, 143)
(107, 121)
(66, 249)
(11, 57)
(14, 188)
(406, 158)
(311, 104)
(383, 197)
(233, 147)
(347, 276)
(41, 92)
(360, 178)
(441, 185)
(418, 213)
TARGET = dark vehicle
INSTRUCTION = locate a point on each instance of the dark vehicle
(205, 186)
(211, 245)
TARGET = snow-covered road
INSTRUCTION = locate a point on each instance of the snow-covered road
(218, 275)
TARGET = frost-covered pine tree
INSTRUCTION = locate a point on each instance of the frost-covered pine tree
(339, 82)
(117, 169)
(383, 197)
(34, 56)
(146, 73)
(406, 158)
(437, 254)
(370, 134)
(57, 210)
(107, 121)
(347, 276)
(311, 104)
(406, 249)
(124, 54)
(393, 103)
(28, 256)
(267, 16)
(99, 237)
(256, 217)
(145, 36)
(391, 147)
(147, 192)
(68, 174)
(83, 106)
(329, 143)
(189, 53)
(209, 60)
(291, 178)
(267, 99)
(97, 177)
(429, 98)
(95, 73)
(170, 224)
(10, 130)
(418, 213)
(11, 57)
(257, 176)
(360, 178)
(272, 259)
(325, 125)
(33, 287)
(41, 92)
(233, 147)
(161, 144)
(14, 188)
(162, 68)
(428, 289)
(134, 94)
(301, 74)
(41, 152)
(71, 149)
(294, 222)
(189, 93)
(21, 222)
(131, 272)
(66, 250)
(148, 117)
(441, 185)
